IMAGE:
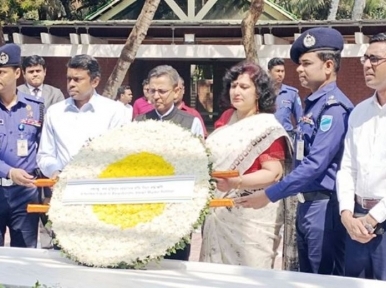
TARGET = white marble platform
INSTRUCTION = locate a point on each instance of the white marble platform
(23, 267)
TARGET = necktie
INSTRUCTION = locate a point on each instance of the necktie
(36, 92)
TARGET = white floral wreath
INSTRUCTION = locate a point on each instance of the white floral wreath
(87, 240)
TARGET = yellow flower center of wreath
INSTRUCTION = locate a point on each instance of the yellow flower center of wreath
(135, 165)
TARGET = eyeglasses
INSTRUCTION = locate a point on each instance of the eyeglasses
(160, 92)
(374, 60)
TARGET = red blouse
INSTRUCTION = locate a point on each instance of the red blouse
(275, 152)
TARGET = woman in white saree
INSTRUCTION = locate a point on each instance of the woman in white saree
(249, 139)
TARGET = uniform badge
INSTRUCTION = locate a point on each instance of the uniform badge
(4, 58)
(325, 123)
(307, 120)
(309, 41)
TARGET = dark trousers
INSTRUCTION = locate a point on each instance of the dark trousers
(366, 260)
(23, 227)
(181, 254)
(320, 237)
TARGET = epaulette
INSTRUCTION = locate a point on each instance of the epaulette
(33, 99)
(291, 88)
(331, 101)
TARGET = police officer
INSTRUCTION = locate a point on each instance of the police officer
(288, 102)
(20, 125)
(318, 152)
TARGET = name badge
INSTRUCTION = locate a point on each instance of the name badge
(300, 149)
(22, 147)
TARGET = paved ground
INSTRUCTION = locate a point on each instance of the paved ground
(195, 250)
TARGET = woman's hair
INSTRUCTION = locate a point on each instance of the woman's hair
(264, 87)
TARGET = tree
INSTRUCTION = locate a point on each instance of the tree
(248, 29)
(333, 10)
(2, 41)
(357, 10)
(11, 11)
(129, 51)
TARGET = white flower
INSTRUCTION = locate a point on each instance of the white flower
(88, 240)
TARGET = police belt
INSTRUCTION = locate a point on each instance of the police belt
(4, 182)
(314, 196)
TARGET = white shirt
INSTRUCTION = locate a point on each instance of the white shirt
(31, 90)
(363, 167)
(67, 128)
(128, 106)
(196, 128)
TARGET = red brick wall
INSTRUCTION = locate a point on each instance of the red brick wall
(350, 78)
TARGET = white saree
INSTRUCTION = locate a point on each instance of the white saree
(240, 236)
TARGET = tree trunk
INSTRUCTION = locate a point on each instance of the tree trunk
(131, 47)
(357, 10)
(333, 10)
(248, 29)
(2, 41)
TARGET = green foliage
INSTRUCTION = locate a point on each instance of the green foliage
(12, 10)
(319, 9)
(305, 9)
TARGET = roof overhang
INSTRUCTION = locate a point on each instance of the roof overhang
(119, 30)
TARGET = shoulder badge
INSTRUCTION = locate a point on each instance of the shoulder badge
(326, 123)
(309, 41)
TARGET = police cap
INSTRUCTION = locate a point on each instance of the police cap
(316, 39)
(10, 55)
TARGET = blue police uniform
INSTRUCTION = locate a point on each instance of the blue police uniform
(288, 103)
(20, 125)
(319, 149)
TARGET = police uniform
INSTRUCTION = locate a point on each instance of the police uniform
(318, 152)
(288, 103)
(19, 136)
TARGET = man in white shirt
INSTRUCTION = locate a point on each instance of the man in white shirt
(124, 96)
(361, 181)
(84, 115)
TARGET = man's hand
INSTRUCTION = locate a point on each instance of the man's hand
(20, 177)
(256, 200)
(55, 175)
(355, 227)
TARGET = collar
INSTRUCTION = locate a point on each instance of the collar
(376, 103)
(20, 98)
(283, 89)
(90, 105)
(183, 106)
(31, 88)
(166, 114)
(322, 91)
